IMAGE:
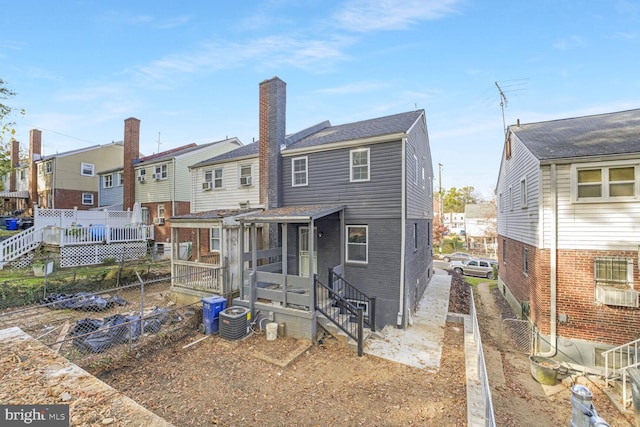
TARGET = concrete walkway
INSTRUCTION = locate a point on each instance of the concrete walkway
(419, 345)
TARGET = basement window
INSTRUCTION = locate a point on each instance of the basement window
(613, 278)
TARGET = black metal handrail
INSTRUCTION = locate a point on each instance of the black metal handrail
(341, 312)
(349, 292)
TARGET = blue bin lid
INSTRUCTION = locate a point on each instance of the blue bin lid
(213, 299)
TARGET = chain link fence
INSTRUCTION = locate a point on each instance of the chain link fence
(97, 314)
(516, 335)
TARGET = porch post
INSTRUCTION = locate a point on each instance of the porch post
(342, 238)
(285, 266)
(311, 236)
(197, 245)
(254, 268)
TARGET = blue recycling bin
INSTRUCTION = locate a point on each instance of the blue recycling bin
(211, 308)
(11, 224)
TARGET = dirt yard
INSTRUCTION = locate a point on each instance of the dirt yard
(249, 383)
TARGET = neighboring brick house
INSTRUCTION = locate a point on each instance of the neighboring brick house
(15, 183)
(162, 182)
(568, 243)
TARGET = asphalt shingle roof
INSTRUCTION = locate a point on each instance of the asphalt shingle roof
(363, 129)
(244, 151)
(597, 135)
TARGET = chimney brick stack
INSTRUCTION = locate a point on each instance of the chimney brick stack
(131, 153)
(273, 98)
(35, 153)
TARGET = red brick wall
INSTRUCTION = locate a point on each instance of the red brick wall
(575, 293)
(69, 199)
(35, 148)
(163, 232)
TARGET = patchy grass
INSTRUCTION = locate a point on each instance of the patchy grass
(474, 281)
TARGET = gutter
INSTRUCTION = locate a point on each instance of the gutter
(403, 226)
(553, 261)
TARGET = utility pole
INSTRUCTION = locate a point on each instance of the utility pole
(440, 193)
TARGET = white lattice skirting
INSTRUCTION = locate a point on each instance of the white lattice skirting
(75, 256)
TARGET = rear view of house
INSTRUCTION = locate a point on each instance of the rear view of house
(568, 208)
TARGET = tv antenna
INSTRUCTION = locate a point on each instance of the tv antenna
(503, 104)
(159, 140)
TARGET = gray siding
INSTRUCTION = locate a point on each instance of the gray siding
(419, 261)
(110, 196)
(328, 182)
(419, 188)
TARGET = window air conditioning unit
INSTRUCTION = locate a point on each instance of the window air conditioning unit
(245, 181)
(206, 185)
(157, 176)
(619, 297)
(141, 178)
(158, 221)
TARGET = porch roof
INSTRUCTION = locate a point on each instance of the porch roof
(292, 214)
(213, 214)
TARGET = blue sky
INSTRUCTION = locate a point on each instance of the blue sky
(190, 70)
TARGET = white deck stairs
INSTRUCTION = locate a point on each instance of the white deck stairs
(19, 244)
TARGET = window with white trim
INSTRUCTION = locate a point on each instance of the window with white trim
(523, 192)
(217, 178)
(245, 175)
(160, 211)
(120, 179)
(299, 171)
(86, 169)
(510, 198)
(214, 239)
(107, 181)
(613, 277)
(48, 167)
(602, 183)
(359, 165)
(87, 198)
(40, 170)
(161, 172)
(23, 174)
(357, 244)
(415, 169)
(501, 202)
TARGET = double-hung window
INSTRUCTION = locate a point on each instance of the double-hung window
(108, 181)
(120, 179)
(359, 165)
(245, 176)
(214, 239)
(357, 244)
(523, 193)
(605, 182)
(86, 169)
(161, 172)
(87, 198)
(48, 167)
(299, 171)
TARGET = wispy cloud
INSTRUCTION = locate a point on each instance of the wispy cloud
(366, 15)
(356, 87)
(273, 52)
(569, 43)
(146, 20)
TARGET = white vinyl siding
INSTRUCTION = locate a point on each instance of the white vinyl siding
(229, 195)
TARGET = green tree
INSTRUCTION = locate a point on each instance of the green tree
(454, 200)
(7, 130)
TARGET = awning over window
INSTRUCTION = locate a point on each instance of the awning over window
(14, 194)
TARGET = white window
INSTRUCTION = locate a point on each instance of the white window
(48, 167)
(613, 278)
(523, 193)
(160, 211)
(415, 169)
(145, 215)
(214, 177)
(160, 172)
(142, 173)
(357, 244)
(23, 174)
(359, 165)
(245, 175)
(501, 202)
(605, 182)
(87, 198)
(86, 169)
(214, 239)
(299, 171)
(423, 180)
(40, 169)
(120, 179)
(525, 261)
(107, 181)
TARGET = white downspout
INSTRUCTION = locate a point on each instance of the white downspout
(403, 226)
(553, 261)
(173, 190)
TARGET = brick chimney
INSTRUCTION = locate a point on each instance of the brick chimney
(273, 98)
(35, 153)
(131, 153)
(15, 161)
